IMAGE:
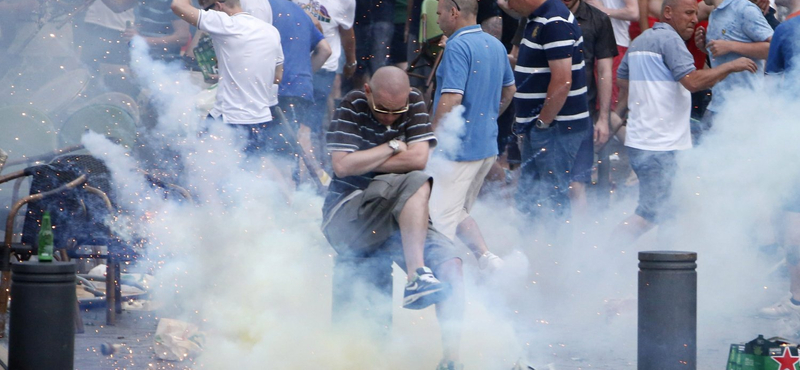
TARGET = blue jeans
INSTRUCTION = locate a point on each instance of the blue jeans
(548, 158)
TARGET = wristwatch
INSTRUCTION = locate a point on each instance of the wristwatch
(540, 124)
(395, 145)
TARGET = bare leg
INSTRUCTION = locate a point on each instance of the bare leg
(577, 200)
(450, 311)
(629, 230)
(413, 222)
(470, 234)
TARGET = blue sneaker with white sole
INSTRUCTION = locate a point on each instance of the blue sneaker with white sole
(424, 290)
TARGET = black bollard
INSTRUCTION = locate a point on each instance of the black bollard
(362, 290)
(667, 310)
(41, 320)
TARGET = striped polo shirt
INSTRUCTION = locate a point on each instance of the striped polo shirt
(552, 33)
(354, 128)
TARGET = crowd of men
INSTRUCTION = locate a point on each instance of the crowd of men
(541, 85)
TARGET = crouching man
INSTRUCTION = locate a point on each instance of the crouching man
(379, 141)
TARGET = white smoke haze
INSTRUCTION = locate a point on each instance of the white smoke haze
(252, 268)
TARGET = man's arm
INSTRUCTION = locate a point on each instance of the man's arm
(622, 105)
(446, 103)
(706, 78)
(180, 37)
(506, 95)
(755, 50)
(278, 74)
(629, 13)
(415, 158)
(349, 48)
(320, 55)
(185, 10)
(360, 162)
(558, 89)
(604, 88)
(644, 24)
(617, 119)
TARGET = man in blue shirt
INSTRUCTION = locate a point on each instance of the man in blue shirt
(736, 28)
(784, 50)
(305, 51)
(474, 73)
(551, 104)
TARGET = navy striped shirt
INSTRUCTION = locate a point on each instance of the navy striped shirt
(354, 128)
(552, 33)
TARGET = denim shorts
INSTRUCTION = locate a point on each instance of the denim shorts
(655, 171)
(584, 160)
(548, 159)
(266, 138)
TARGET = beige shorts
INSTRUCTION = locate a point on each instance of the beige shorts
(455, 188)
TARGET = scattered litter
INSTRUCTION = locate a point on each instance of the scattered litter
(108, 349)
(177, 340)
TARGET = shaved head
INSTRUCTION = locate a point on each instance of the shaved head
(390, 86)
(388, 90)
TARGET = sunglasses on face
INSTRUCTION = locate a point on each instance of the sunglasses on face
(385, 111)
(457, 7)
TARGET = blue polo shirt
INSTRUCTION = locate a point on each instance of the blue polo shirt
(735, 20)
(552, 33)
(299, 37)
(784, 50)
(475, 65)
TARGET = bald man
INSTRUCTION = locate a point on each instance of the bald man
(377, 203)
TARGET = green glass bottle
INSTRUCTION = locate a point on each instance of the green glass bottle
(46, 239)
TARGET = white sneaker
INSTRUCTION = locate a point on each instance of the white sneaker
(489, 262)
(783, 308)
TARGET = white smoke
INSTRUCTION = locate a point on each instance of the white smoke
(255, 272)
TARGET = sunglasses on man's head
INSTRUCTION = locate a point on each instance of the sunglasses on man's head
(457, 7)
(210, 6)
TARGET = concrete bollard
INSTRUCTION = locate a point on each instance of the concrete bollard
(41, 320)
(667, 310)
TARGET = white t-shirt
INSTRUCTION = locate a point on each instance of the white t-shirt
(620, 27)
(331, 14)
(248, 49)
(100, 14)
(258, 8)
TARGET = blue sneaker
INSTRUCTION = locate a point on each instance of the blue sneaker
(424, 290)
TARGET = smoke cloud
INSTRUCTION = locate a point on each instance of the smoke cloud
(252, 268)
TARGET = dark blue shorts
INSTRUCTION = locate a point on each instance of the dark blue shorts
(584, 160)
(548, 158)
